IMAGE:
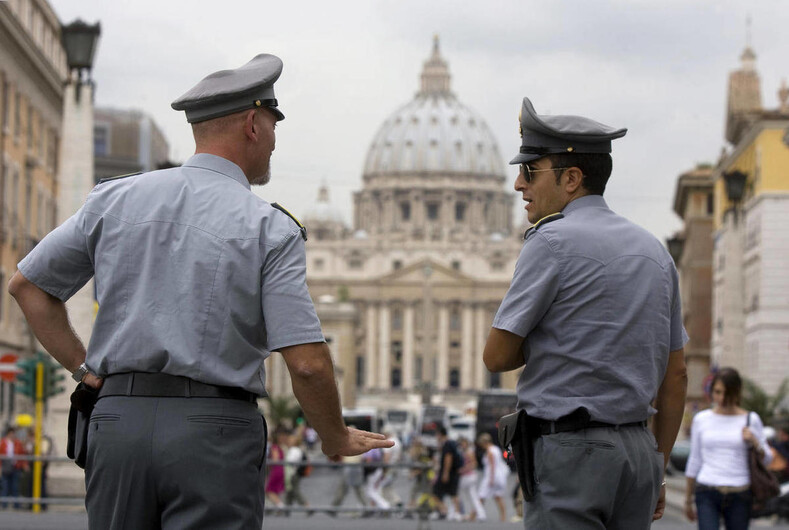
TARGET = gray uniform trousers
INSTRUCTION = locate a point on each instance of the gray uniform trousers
(175, 463)
(597, 478)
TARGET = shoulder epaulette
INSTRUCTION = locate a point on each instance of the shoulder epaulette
(127, 175)
(286, 212)
(545, 220)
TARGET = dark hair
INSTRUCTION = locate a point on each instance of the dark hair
(732, 385)
(596, 168)
(441, 430)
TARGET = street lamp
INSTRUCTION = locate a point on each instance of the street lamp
(80, 41)
(735, 185)
(676, 245)
(735, 188)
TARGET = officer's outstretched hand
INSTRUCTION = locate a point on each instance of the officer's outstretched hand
(661, 504)
(356, 442)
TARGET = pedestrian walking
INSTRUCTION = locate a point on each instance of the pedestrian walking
(197, 281)
(594, 315)
(391, 457)
(450, 460)
(421, 477)
(493, 482)
(469, 483)
(297, 458)
(310, 437)
(10, 447)
(717, 469)
(275, 474)
(373, 478)
(352, 479)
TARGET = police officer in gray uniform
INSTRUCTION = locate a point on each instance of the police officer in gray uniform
(197, 281)
(593, 313)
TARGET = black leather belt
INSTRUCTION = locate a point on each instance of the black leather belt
(166, 385)
(573, 423)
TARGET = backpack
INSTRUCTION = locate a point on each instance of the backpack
(304, 469)
(458, 459)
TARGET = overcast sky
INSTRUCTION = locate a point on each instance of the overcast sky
(658, 67)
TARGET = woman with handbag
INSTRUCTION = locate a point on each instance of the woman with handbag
(718, 470)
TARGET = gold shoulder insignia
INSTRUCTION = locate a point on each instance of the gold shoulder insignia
(286, 212)
(545, 220)
(127, 175)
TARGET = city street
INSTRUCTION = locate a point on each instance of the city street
(319, 489)
(78, 521)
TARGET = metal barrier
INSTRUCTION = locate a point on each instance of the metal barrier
(421, 514)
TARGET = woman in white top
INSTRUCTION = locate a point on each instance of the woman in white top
(494, 474)
(717, 469)
(468, 482)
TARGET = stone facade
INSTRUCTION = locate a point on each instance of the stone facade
(413, 286)
(751, 248)
(32, 74)
(694, 203)
(127, 141)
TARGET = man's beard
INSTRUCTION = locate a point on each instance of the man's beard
(262, 180)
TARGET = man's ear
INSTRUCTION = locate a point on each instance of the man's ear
(575, 179)
(250, 129)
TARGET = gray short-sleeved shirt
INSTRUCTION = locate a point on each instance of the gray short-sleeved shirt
(597, 299)
(195, 275)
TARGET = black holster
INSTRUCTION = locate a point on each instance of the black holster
(515, 433)
(82, 401)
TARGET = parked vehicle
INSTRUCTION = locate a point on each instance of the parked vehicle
(492, 405)
(431, 417)
(399, 422)
(364, 418)
(464, 426)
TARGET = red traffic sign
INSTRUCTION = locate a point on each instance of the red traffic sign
(8, 367)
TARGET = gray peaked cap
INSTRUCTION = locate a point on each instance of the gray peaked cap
(229, 91)
(544, 135)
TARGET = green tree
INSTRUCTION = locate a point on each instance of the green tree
(282, 409)
(767, 406)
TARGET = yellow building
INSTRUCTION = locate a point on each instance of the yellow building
(32, 73)
(751, 241)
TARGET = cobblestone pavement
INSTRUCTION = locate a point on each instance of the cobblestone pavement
(71, 520)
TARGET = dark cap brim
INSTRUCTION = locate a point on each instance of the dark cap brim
(277, 113)
(522, 158)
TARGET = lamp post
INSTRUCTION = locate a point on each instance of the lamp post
(676, 245)
(735, 188)
(80, 41)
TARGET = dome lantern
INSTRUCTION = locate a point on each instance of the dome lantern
(435, 73)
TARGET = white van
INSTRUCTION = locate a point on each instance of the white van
(399, 422)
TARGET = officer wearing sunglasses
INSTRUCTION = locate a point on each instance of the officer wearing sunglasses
(593, 316)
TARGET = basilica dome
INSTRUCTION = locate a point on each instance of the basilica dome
(434, 133)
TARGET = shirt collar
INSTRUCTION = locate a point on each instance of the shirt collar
(587, 201)
(219, 165)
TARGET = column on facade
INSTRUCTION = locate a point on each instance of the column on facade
(387, 210)
(384, 347)
(501, 225)
(481, 333)
(407, 377)
(418, 208)
(467, 347)
(371, 350)
(475, 211)
(448, 209)
(442, 347)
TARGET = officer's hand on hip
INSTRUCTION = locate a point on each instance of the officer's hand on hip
(92, 380)
(355, 442)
